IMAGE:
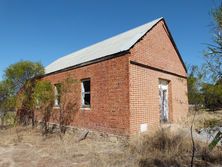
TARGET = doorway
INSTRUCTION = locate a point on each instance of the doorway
(163, 96)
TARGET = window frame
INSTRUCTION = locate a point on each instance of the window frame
(57, 94)
(83, 93)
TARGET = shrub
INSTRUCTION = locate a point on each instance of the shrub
(9, 119)
(165, 148)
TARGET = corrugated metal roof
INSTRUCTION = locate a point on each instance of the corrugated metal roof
(116, 44)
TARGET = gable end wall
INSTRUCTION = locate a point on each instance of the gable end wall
(156, 50)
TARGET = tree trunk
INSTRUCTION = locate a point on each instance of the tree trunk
(2, 120)
(33, 119)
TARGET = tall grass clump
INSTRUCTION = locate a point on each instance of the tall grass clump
(165, 148)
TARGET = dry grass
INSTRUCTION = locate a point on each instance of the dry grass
(205, 119)
(21, 147)
(25, 147)
(165, 148)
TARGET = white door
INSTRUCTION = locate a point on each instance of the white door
(163, 94)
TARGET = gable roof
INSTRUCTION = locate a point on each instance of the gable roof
(110, 46)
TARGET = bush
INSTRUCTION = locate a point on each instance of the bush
(9, 119)
(212, 96)
(165, 148)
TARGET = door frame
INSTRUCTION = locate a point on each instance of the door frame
(163, 85)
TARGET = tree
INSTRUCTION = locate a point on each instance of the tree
(213, 55)
(21, 78)
(212, 90)
(43, 102)
(212, 96)
(67, 91)
(18, 74)
(7, 100)
(45, 96)
(194, 82)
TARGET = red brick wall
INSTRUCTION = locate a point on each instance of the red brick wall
(144, 97)
(109, 95)
(155, 50)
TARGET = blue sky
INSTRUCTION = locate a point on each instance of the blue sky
(44, 30)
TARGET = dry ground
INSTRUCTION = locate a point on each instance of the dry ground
(25, 147)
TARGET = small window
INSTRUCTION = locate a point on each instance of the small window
(85, 93)
(37, 104)
(57, 90)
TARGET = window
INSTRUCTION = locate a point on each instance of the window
(57, 90)
(85, 93)
(37, 106)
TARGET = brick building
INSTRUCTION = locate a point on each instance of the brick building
(130, 83)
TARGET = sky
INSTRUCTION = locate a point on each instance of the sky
(44, 30)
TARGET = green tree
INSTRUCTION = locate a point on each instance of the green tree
(21, 78)
(212, 91)
(68, 102)
(43, 96)
(18, 74)
(7, 100)
(194, 82)
(212, 96)
(213, 54)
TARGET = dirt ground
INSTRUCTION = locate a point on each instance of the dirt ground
(26, 147)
